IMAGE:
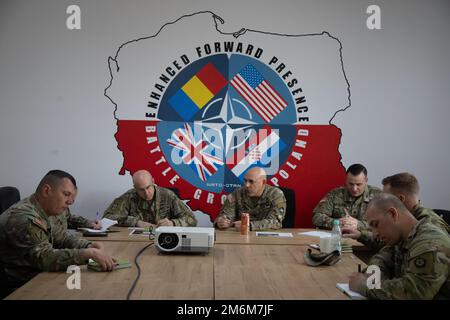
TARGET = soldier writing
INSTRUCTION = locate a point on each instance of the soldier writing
(415, 263)
(347, 203)
(148, 205)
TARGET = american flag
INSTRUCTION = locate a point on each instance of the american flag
(194, 152)
(258, 92)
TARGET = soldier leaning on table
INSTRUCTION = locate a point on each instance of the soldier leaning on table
(266, 205)
(31, 241)
(406, 188)
(148, 205)
(415, 263)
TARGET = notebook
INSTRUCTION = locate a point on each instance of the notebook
(352, 294)
(120, 264)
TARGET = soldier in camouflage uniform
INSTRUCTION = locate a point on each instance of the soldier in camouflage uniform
(266, 205)
(347, 203)
(31, 241)
(415, 263)
(148, 205)
(405, 187)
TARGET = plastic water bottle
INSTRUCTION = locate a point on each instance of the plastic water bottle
(336, 236)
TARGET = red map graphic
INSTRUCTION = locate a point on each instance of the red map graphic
(317, 171)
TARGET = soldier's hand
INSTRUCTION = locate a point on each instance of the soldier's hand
(351, 233)
(105, 260)
(349, 222)
(237, 225)
(165, 222)
(143, 224)
(223, 223)
(97, 225)
(357, 282)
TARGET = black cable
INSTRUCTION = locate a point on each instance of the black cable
(139, 270)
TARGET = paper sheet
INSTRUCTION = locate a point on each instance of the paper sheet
(316, 233)
(274, 234)
(106, 223)
(352, 294)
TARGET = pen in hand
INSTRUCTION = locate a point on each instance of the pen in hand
(97, 217)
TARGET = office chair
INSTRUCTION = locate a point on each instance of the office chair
(444, 214)
(175, 190)
(8, 197)
(289, 217)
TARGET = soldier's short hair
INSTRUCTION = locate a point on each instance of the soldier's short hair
(54, 177)
(356, 169)
(402, 182)
(383, 201)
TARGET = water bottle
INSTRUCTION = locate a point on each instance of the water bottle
(336, 236)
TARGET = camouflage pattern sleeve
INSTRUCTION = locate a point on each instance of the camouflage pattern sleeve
(274, 217)
(63, 239)
(229, 208)
(385, 260)
(32, 241)
(367, 239)
(322, 213)
(119, 210)
(75, 222)
(183, 215)
(423, 278)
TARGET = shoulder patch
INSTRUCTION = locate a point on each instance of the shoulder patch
(230, 198)
(40, 223)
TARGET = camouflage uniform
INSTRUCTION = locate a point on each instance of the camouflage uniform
(333, 204)
(71, 221)
(266, 212)
(419, 213)
(129, 208)
(417, 268)
(31, 242)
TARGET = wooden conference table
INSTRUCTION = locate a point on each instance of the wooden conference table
(238, 267)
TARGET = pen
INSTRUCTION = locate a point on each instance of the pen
(98, 216)
(359, 267)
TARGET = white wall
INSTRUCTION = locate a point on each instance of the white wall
(54, 114)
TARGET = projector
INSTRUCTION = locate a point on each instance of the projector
(184, 239)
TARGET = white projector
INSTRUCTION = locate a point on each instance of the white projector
(184, 239)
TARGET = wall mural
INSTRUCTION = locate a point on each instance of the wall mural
(198, 107)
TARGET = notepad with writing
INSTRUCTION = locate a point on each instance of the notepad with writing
(352, 294)
(120, 264)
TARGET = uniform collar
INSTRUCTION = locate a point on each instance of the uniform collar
(365, 195)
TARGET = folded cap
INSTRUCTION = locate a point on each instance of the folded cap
(316, 259)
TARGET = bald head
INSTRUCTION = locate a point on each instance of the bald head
(255, 181)
(389, 219)
(143, 183)
(257, 172)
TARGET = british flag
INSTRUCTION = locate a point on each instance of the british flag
(195, 153)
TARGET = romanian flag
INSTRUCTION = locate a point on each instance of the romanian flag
(198, 91)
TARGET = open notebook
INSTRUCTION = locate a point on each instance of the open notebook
(352, 294)
(106, 223)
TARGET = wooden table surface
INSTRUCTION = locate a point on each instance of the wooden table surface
(228, 237)
(229, 271)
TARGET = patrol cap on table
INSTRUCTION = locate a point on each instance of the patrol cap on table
(317, 259)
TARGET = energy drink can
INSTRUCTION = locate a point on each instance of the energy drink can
(245, 223)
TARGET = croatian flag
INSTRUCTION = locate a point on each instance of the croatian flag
(258, 92)
(261, 149)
